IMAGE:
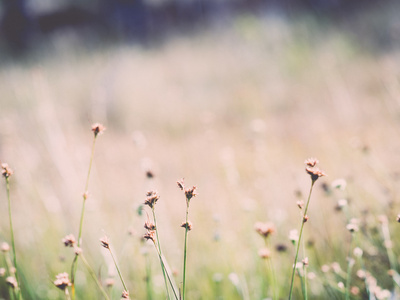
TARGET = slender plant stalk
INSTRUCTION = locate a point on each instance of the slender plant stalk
(300, 235)
(185, 251)
(272, 273)
(148, 279)
(159, 248)
(349, 266)
(75, 261)
(116, 266)
(166, 271)
(67, 296)
(93, 274)
(12, 238)
(304, 282)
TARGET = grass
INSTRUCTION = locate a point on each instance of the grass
(235, 110)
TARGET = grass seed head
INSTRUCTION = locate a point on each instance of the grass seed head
(69, 240)
(265, 229)
(62, 281)
(187, 225)
(190, 193)
(97, 129)
(150, 235)
(152, 198)
(181, 184)
(105, 242)
(311, 162)
(125, 295)
(315, 173)
(149, 225)
(12, 282)
(6, 171)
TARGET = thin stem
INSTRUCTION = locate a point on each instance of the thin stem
(272, 273)
(75, 261)
(159, 248)
(67, 296)
(148, 279)
(298, 243)
(185, 251)
(92, 273)
(166, 271)
(116, 266)
(12, 238)
(349, 266)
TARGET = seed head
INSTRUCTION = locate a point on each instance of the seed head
(152, 198)
(311, 162)
(181, 184)
(5, 247)
(150, 235)
(305, 261)
(190, 193)
(125, 295)
(97, 128)
(62, 281)
(78, 251)
(305, 218)
(105, 242)
(69, 240)
(265, 229)
(6, 171)
(12, 282)
(149, 225)
(300, 204)
(187, 225)
(315, 173)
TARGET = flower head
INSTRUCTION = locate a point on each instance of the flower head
(62, 281)
(315, 173)
(265, 229)
(150, 235)
(149, 226)
(190, 193)
(6, 171)
(181, 184)
(105, 242)
(187, 225)
(97, 128)
(264, 253)
(311, 162)
(5, 247)
(69, 240)
(12, 282)
(125, 295)
(152, 198)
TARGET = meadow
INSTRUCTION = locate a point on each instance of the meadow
(235, 110)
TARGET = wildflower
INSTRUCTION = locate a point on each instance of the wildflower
(78, 250)
(109, 282)
(125, 295)
(305, 218)
(181, 185)
(149, 226)
(150, 235)
(12, 282)
(315, 173)
(190, 193)
(69, 240)
(5, 247)
(105, 242)
(311, 162)
(264, 253)
(152, 198)
(352, 227)
(62, 281)
(300, 204)
(305, 261)
(188, 225)
(341, 203)
(264, 229)
(6, 171)
(97, 128)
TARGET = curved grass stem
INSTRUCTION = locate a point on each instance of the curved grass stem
(185, 251)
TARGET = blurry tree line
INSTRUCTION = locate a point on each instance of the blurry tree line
(25, 22)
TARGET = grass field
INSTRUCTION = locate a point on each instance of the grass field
(233, 109)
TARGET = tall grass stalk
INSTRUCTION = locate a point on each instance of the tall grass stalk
(159, 249)
(148, 278)
(185, 250)
(299, 241)
(96, 128)
(18, 290)
(93, 274)
(350, 264)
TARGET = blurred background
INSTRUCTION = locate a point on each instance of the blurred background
(232, 95)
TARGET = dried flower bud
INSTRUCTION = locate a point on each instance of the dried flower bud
(85, 195)
(190, 193)
(5, 247)
(187, 225)
(305, 261)
(149, 226)
(264, 253)
(265, 229)
(105, 242)
(300, 204)
(352, 227)
(150, 235)
(78, 250)
(69, 240)
(12, 282)
(181, 184)
(315, 173)
(311, 162)
(305, 218)
(125, 295)
(152, 198)
(97, 128)
(62, 281)
(6, 171)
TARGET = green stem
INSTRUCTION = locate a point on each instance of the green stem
(75, 261)
(12, 238)
(185, 251)
(349, 265)
(148, 279)
(159, 248)
(298, 243)
(93, 274)
(116, 266)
